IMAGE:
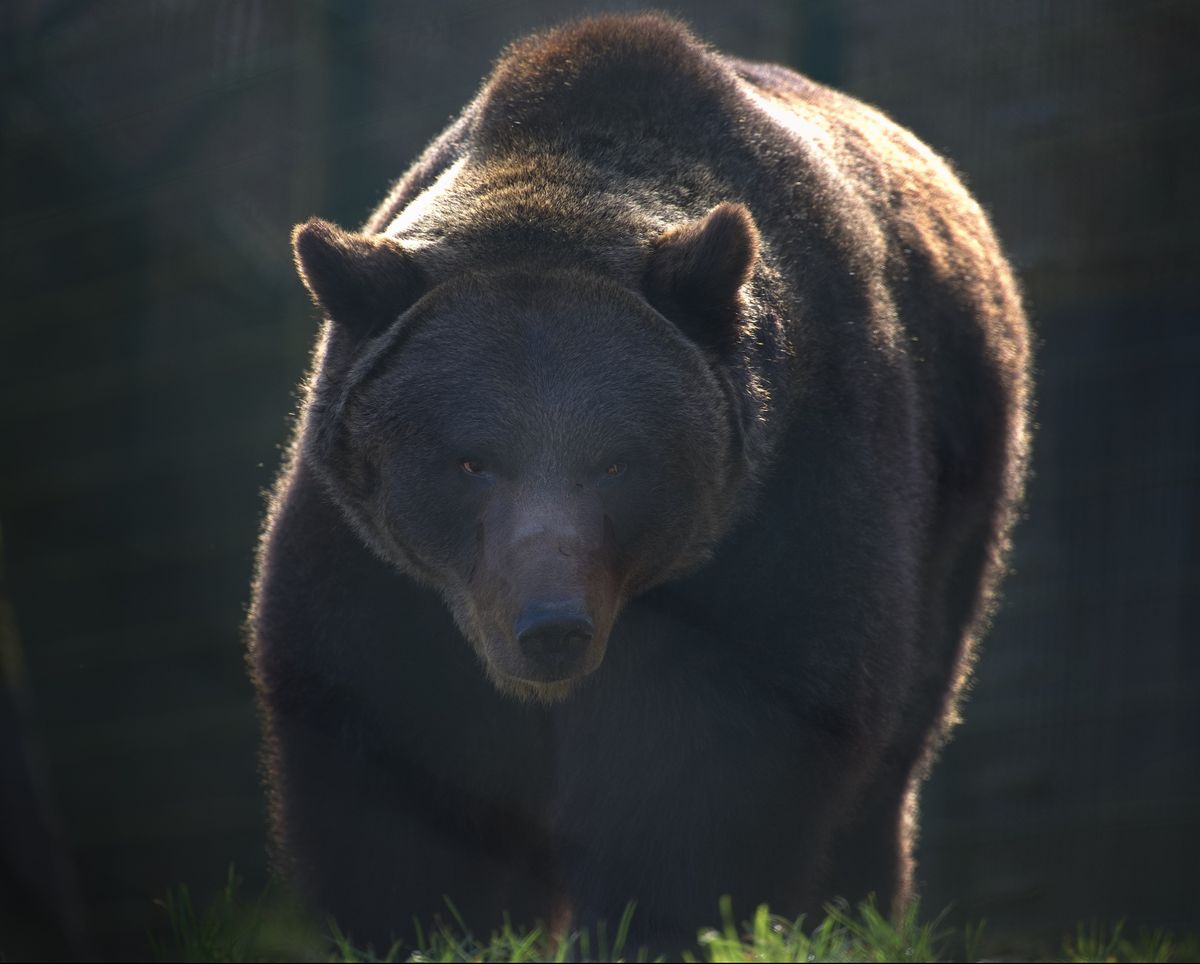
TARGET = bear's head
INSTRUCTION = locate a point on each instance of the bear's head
(540, 446)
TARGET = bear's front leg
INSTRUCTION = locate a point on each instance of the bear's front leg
(380, 842)
(683, 783)
(398, 775)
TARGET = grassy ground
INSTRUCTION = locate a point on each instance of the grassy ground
(271, 927)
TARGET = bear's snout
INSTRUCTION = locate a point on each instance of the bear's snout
(554, 640)
(548, 575)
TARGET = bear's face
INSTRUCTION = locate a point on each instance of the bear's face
(540, 450)
(539, 447)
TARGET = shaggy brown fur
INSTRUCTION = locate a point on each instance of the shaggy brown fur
(693, 395)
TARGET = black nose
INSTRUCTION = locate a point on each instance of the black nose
(553, 632)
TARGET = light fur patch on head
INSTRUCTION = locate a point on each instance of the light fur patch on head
(422, 205)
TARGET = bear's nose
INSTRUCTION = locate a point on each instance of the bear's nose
(553, 632)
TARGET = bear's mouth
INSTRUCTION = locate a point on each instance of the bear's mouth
(551, 665)
(547, 692)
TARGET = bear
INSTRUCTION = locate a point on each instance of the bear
(653, 480)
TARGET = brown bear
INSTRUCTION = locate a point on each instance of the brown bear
(653, 478)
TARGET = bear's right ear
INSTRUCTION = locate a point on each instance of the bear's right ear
(361, 281)
(696, 272)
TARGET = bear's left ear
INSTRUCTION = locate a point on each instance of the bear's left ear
(697, 270)
(362, 281)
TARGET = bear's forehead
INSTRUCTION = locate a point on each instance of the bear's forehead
(521, 322)
(573, 406)
(563, 361)
(510, 356)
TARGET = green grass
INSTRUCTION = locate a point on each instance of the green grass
(233, 928)
(273, 927)
(1096, 942)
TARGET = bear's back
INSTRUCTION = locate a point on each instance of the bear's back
(640, 101)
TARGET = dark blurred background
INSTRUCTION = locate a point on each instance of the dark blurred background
(153, 157)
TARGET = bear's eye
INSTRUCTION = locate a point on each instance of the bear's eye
(617, 468)
(472, 467)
